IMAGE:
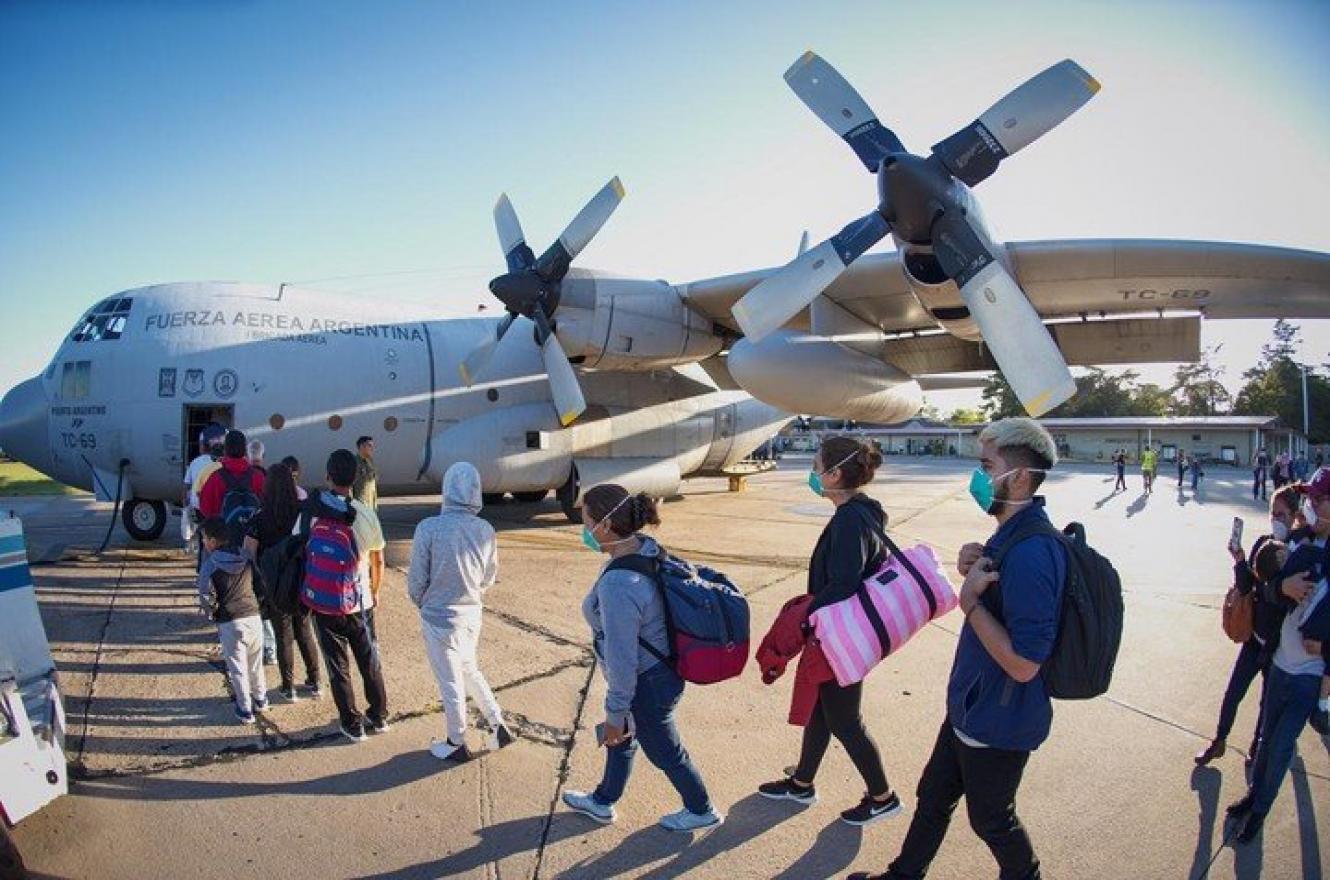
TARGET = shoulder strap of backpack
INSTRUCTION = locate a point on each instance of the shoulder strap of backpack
(649, 568)
(904, 561)
(1038, 527)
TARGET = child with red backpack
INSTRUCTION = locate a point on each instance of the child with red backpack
(341, 532)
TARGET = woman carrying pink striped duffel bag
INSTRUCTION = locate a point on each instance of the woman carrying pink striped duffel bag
(909, 590)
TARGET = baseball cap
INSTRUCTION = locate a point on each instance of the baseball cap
(1319, 485)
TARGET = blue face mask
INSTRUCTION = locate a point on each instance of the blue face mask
(815, 476)
(590, 540)
(983, 488)
(589, 536)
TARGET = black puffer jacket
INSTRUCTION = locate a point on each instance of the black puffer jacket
(847, 551)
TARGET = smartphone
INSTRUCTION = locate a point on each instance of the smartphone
(1235, 538)
(600, 734)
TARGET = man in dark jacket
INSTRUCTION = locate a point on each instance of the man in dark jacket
(998, 710)
(235, 466)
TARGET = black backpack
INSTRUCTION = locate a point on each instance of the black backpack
(1089, 620)
(282, 570)
(239, 504)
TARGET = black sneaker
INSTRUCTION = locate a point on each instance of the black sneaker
(786, 790)
(870, 811)
(314, 690)
(354, 732)
(1320, 721)
(500, 738)
(376, 725)
(1242, 806)
(1252, 828)
(289, 694)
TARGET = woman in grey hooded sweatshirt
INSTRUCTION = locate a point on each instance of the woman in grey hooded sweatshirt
(454, 559)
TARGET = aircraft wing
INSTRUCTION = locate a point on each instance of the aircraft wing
(1100, 278)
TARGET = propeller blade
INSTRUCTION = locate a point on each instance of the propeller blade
(568, 400)
(553, 264)
(515, 250)
(803, 244)
(783, 295)
(475, 362)
(1021, 344)
(1026, 114)
(833, 100)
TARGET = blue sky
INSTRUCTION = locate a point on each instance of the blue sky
(365, 144)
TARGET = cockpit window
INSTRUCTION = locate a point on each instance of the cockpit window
(106, 320)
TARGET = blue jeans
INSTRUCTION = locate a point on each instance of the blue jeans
(1289, 702)
(1244, 670)
(658, 693)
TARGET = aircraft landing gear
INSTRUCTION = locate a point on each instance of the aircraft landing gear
(492, 499)
(567, 495)
(530, 497)
(144, 520)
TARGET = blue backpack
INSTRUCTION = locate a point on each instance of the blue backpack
(706, 617)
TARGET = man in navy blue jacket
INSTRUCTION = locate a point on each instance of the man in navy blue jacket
(998, 710)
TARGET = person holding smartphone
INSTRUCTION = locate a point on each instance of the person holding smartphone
(1294, 685)
(630, 634)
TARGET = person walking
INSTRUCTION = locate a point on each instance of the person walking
(454, 560)
(1260, 473)
(627, 616)
(1267, 616)
(1182, 467)
(850, 549)
(1149, 467)
(1197, 471)
(1120, 464)
(1294, 683)
(226, 596)
(274, 523)
(998, 709)
(336, 590)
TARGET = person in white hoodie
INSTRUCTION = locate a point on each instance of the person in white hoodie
(454, 560)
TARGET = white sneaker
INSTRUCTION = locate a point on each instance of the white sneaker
(445, 750)
(588, 806)
(686, 821)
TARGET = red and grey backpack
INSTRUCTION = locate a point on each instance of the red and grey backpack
(331, 565)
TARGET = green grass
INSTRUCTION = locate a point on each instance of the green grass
(17, 478)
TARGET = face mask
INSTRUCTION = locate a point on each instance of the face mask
(1278, 530)
(1309, 512)
(815, 477)
(589, 534)
(983, 488)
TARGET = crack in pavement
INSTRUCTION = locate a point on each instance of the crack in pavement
(565, 767)
(78, 761)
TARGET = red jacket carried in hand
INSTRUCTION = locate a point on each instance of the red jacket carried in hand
(214, 490)
(786, 639)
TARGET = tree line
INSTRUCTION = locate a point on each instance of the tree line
(1272, 387)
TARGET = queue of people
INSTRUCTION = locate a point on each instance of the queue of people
(998, 705)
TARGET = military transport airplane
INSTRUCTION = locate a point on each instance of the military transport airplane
(637, 381)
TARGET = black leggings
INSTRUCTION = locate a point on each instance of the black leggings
(837, 712)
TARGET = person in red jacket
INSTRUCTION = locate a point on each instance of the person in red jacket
(235, 460)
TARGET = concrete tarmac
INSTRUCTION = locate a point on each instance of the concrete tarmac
(167, 784)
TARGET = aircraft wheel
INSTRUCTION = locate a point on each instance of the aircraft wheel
(11, 863)
(492, 499)
(530, 497)
(144, 520)
(567, 495)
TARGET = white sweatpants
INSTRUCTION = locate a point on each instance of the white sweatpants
(242, 651)
(452, 656)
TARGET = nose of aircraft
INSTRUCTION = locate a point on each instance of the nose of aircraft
(23, 425)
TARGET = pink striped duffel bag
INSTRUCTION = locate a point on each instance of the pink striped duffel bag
(908, 591)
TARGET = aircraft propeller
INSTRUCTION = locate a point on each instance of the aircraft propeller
(531, 289)
(927, 202)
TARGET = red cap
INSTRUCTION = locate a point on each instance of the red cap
(1319, 485)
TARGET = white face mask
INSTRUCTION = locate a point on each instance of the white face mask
(1309, 512)
(1278, 530)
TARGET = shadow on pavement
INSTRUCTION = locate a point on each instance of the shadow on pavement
(1138, 505)
(497, 842)
(835, 849)
(1308, 838)
(1205, 781)
(396, 771)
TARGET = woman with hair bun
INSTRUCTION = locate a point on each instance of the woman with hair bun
(626, 614)
(850, 549)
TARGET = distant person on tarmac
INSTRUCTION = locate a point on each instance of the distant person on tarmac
(454, 560)
(1120, 465)
(1197, 471)
(1260, 472)
(1149, 467)
(627, 614)
(998, 709)
(850, 549)
(1182, 467)
(226, 595)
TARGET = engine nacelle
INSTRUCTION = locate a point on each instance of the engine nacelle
(937, 293)
(802, 373)
(630, 324)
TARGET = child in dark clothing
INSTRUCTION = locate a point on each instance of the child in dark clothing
(226, 594)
